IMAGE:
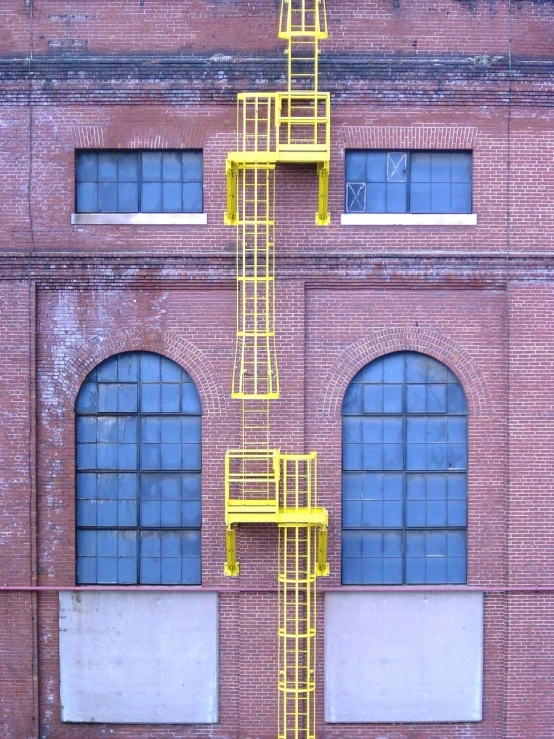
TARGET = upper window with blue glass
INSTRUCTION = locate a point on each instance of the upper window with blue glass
(404, 473)
(139, 181)
(408, 182)
(138, 473)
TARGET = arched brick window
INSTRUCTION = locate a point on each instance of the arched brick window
(404, 473)
(138, 473)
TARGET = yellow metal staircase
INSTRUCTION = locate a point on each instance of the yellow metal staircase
(262, 484)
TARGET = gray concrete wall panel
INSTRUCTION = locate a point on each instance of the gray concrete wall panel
(403, 657)
(139, 657)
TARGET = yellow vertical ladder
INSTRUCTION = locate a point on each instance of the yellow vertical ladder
(262, 484)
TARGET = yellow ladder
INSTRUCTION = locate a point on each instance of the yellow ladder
(262, 484)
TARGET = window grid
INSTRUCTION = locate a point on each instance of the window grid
(125, 501)
(138, 181)
(408, 181)
(388, 524)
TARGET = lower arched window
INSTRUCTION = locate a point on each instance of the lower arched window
(138, 473)
(404, 473)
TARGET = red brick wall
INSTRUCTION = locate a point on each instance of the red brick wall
(403, 74)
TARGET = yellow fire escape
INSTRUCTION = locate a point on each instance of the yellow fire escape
(263, 484)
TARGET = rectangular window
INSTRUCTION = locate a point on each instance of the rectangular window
(408, 182)
(136, 181)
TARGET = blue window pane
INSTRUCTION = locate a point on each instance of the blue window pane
(415, 570)
(152, 166)
(107, 486)
(352, 403)
(456, 543)
(127, 197)
(150, 456)
(107, 167)
(190, 400)
(191, 571)
(150, 543)
(416, 430)
(171, 194)
(170, 544)
(107, 371)
(416, 457)
(191, 487)
(352, 485)
(392, 399)
(373, 372)
(190, 543)
(86, 570)
(87, 400)
(456, 399)
(351, 571)
(372, 456)
(352, 516)
(393, 456)
(127, 571)
(440, 198)
(436, 372)
(356, 197)
(107, 456)
(151, 398)
(373, 398)
(420, 167)
(127, 368)
(107, 429)
(191, 456)
(392, 571)
(86, 486)
(171, 400)
(170, 456)
(128, 167)
(107, 398)
(436, 398)
(86, 543)
(436, 513)
(461, 198)
(420, 197)
(151, 430)
(192, 197)
(87, 167)
(457, 456)
(356, 166)
(372, 571)
(107, 513)
(416, 513)
(376, 198)
(106, 542)
(127, 457)
(127, 398)
(415, 544)
(191, 514)
(170, 487)
(392, 513)
(436, 457)
(150, 570)
(460, 167)
(86, 456)
(150, 368)
(86, 429)
(150, 513)
(170, 571)
(416, 397)
(376, 166)
(416, 368)
(457, 512)
(151, 197)
(440, 167)
(393, 368)
(170, 428)
(436, 570)
(171, 166)
(126, 513)
(192, 166)
(352, 544)
(86, 513)
(397, 200)
(456, 570)
(87, 197)
(171, 372)
(107, 197)
(372, 430)
(436, 427)
(352, 430)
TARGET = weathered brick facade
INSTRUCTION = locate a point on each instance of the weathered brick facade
(413, 74)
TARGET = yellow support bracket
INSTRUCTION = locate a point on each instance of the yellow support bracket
(232, 567)
(322, 566)
(323, 217)
(231, 176)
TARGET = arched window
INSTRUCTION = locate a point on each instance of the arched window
(138, 473)
(404, 473)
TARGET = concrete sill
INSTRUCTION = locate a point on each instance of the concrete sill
(139, 219)
(408, 219)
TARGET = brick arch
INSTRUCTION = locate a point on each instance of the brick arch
(170, 345)
(363, 351)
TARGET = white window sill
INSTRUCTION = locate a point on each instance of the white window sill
(139, 219)
(408, 219)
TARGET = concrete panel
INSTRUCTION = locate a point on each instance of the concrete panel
(404, 657)
(139, 657)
